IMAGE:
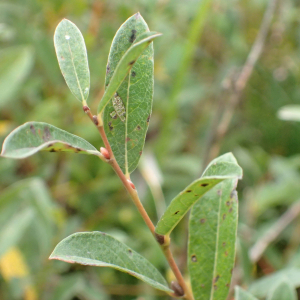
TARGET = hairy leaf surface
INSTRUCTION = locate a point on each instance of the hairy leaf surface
(102, 250)
(72, 58)
(241, 294)
(32, 137)
(219, 169)
(129, 93)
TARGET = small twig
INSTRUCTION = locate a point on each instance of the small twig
(261, 245)
(220, 130)
(163, 241)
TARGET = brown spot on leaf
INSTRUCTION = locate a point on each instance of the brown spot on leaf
(228, 285)
(230, 210)
(188, 191)
(224, 216)
(110, 127)
(62, 58)
(133, 74)
(227, 203)
(52, 150)
(226, 253)
(128, 139)
(148, 119)
(204, 184)
(215, 287)
(107, 69)
(223, 244)
(176, 212)
(133, 36)
(32, 129)
(194, 258)
(47, 134)
(132, 62)
(216, 278)
(202, 221)
(138, 127)
(129, 251)
(141, 152)
(202, 285)
(219, 192)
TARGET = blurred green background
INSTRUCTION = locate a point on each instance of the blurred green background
(49, 196)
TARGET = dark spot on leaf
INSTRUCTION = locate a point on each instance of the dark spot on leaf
(110, 127)
(204, 184)
(223, 244)
(107, 69)
(224, 216)
(217, 278)
(128, 139)
(138, 127)
(133, 74)
(133, 36)
(141, 152)
(215, 287)
(132, 62)
(194, 258)
(202, 285)
(177, 288)
(202, 221)
(50, 145)
(230, 210)
(226, 253)
(188, 191)
(47, 134)
(160, 238)
(148, 119)
(227, 203)
(78, 149)
(228, 285)
(32, 129)
(129, 251)
(219, 192)
(52, 150)
(176, 212)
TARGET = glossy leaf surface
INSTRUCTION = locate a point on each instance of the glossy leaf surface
(72, 58)
(221, 168)
(32, 137)
(127, 101)
(212, 237)
(102, 250)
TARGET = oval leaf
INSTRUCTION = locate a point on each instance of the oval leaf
(102, 250)
(72, 58)
(283, 291)
(212, 236)
(32, 137)
(241, 294)
(126, 113)
(221, 168)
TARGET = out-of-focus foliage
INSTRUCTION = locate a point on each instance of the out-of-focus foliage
(48, 196)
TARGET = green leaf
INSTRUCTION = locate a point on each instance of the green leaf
(102, 250)
(212, 236)
(32, 137)
(13, 231)
(241, 294)
(72, 58)
(283, 291)
(15, 64)
(261, 287)
(126, 114)
(219, 169)
(289, 113)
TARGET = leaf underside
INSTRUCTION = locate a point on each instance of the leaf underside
(221, 168)
(241, 294)
(72, 58)
(212, 236)
(33, 137)
(283, 291)
(127, 137)
(102, 250)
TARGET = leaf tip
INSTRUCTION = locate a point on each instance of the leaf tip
(137, 15)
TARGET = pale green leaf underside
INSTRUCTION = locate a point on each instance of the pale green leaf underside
(102, 250)
(33, 137)
(222, 168)
(126, 133)
(212, 235)
(72, 58)
(241, 294)
(289, 113)
(283, 291)
(261, 287)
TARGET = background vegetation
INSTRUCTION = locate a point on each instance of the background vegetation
(204, 47)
